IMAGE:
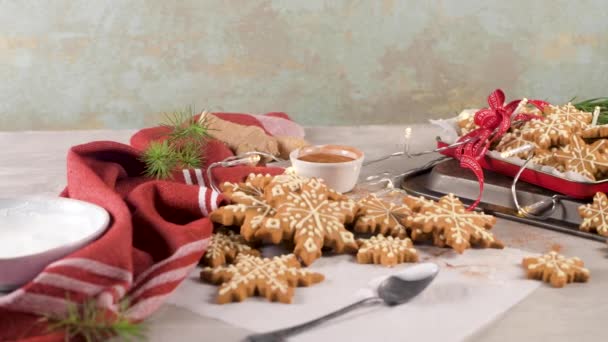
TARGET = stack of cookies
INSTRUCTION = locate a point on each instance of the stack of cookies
(307, 218)
(566, 140)
(563, 139)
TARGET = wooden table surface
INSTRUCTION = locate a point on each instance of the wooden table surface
(33, 163)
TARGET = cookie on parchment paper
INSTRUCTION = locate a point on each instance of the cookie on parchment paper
(280, 186)
(253, 185)
(250, 212)
(312, 221)
(386, 251)
(556, 269)
(273, 278)
(224, 247)
(377, 216)
(449, 223)
(294, 209)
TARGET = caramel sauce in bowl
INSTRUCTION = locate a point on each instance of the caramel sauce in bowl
(325, 158)
(339, 166)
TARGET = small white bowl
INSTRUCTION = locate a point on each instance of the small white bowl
(341, 176)
(34, 232)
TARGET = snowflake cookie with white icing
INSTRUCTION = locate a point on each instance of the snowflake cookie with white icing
(376, 216)
(272, 278)
(281, 185)
(386, 251)
(251, 213)
(224, 248)
(587, 160)
(595, 132)
(547, 158)
(548, 132)
(312, 221)
(556, 269)
(466, 121)
(569, 114)
(513, 142)
(449, 223)
(253, 185)
(595, 215)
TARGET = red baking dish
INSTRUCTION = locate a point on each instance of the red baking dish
(545, 180)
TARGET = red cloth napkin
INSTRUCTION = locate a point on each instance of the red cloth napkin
(158, 233)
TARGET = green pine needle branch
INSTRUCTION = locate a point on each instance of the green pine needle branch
(189, 155)
(89, 323)
(160, 159)
(589, 106)
(182, 149)
(185, 127)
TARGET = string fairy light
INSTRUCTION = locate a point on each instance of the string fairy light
(517, 150)
(203, 116)
(519, 107)
(249, 158)
(596, 115)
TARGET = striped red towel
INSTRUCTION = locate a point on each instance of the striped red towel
(158, 233)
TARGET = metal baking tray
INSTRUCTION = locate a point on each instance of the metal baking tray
(449, 177)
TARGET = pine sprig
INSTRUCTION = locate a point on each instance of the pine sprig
(160, 159)
(90, 323)
(189, 155)
(185, 127)
(183, 145)
(589, 106)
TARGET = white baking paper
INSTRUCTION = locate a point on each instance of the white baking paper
(471, 290)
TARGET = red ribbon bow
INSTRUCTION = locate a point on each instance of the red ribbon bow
(493, 123)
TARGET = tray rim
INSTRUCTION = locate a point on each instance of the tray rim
(544, 224)
(603, 181)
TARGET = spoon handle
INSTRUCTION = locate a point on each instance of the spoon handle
(282, 334)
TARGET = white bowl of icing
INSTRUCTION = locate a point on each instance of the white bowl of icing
(34, 232)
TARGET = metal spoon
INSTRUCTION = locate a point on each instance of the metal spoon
(394, 290)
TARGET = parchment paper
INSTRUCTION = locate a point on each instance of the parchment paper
(471, 290)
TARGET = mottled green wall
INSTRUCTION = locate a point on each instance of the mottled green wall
(84, 64)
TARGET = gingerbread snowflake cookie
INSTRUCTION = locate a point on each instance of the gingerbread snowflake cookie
(556, 269)
(550, 131)
(250, 212)
(587, 160)
(386, 251)
(280, 186)
(449, 223)
(313, 221)
(272, 278)
(466, 121)
(569, 114)
(377, 216)
(547, 158)
(254, 185)
(595, 132)
(595, 215)
(512, 145)
(225, 247)
(291, 208)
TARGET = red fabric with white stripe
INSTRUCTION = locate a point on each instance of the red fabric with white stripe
(158, 233)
